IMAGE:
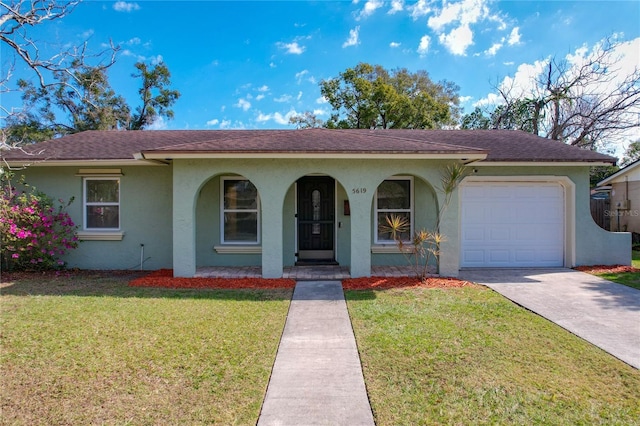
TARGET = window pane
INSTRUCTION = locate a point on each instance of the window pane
(394, 194)
(105, 217)
(240, 226)
(383, 232)
(103, 191)
(240, 194)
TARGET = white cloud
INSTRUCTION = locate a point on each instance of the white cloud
(394, 44)
(263, 88)
(353, 38)
(421, 8)
(423, 47)
(464, 12)
(396, 6)
(460, 16)
(158, 124)
(123, 6)
(272, 65)
(465, 99)
(213, 122)
(322, 100)
(458, 40)
(299, 96)
(155, 60)
(243, 103)
(134, 41)
(283, 98)
(260, 97)
(493, 49)
(514, 37)
(277, 117)
(292, 48)
(300, 75)
(369, 8)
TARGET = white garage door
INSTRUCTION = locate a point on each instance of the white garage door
(512, 224)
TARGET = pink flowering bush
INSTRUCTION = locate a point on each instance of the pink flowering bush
(35, 231)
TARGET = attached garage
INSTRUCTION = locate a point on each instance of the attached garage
(512, 224)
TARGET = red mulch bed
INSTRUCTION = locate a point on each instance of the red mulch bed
(606, 269)
(164, 278)
(382, 283)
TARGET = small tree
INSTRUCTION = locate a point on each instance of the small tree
(34, 231)
(424, 246)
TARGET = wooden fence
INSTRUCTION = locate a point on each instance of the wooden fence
(601, 212)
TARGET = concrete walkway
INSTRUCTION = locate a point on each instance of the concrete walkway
(601, 312)
(317, 377)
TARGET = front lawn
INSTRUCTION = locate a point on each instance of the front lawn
(91, 350)
(469, 356)
(631, 279)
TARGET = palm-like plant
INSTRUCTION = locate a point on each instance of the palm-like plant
(424, 246)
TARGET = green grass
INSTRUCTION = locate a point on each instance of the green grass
(91, 350)
(469, 356)
(631, 279)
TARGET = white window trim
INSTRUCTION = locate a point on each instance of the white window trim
(86, 204)
(223, 211)
(410, 210)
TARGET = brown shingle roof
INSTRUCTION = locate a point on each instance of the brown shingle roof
(499, 145)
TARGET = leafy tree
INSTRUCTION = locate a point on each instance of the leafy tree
(598, 173)
(17, 18)
(579, 103)
(83, 99)
(306, 120)
(69, 91)
(370, 96)
(156, 97)
(631, 154)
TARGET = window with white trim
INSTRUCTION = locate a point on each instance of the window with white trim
(394, 196)
(240, 211)
(101, 203)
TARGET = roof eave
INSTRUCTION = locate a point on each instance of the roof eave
(536, 163)
(84, 163)
(171, 155)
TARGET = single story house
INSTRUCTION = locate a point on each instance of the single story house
(271, 198)
(624, 190)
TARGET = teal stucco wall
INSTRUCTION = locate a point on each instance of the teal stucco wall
(145, 216)
(175, 212)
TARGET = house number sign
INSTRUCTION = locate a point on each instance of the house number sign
(358, 190)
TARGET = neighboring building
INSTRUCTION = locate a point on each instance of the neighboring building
(272, 198)
(624, 187)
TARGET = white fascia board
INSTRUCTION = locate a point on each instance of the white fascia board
(86, 163)
(311, 155)
(539, 163)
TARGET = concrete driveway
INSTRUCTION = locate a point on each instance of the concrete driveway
(601, 312)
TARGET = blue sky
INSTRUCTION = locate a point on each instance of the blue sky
(251, 65)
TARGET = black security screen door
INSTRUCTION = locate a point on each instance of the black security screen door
(316, 211)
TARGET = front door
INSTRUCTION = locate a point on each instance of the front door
(316, 218)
